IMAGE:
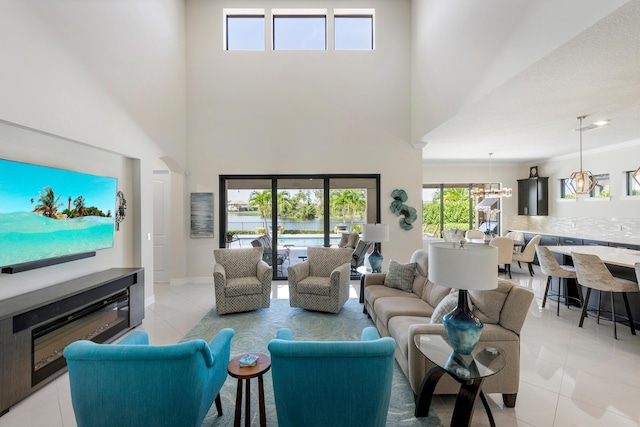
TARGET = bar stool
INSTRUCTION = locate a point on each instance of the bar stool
(593, 274)
(552, 268)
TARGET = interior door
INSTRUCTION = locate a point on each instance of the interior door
(161, 226)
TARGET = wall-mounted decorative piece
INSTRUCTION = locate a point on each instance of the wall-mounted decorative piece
(121, 210)
(201, 214)
(398, 207)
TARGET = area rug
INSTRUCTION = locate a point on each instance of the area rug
(254, 330)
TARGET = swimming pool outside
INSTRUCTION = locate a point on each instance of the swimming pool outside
(297, 240)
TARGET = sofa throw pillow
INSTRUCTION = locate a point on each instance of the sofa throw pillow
(488, 304)
(445, 306)
(433, 293)
(400, 276)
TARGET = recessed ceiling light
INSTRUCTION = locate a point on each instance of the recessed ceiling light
(594, 125)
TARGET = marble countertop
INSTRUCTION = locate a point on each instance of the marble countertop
(627, 241)
(609, 255)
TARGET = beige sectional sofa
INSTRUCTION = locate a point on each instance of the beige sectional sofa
(403, 314)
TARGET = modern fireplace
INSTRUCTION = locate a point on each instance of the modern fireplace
(97, 322)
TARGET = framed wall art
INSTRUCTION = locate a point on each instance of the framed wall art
(201, 215)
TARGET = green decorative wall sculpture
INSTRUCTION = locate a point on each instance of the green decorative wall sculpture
(399, 208)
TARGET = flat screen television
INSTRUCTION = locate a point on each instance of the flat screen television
(50, 215)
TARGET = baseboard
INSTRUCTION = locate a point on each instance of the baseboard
(200, 280)
(177, 282)
(149, 300)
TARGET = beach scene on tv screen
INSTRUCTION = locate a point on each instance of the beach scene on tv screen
(47, 212)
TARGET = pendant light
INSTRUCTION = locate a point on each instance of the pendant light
(636, 176)
(582, 182)
(491, 192)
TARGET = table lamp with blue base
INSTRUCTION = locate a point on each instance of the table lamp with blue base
(463, 267)
(375, 233)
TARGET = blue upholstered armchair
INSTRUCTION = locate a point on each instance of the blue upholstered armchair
(332, 383)
(135, 384)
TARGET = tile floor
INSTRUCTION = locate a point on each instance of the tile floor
(570, 376)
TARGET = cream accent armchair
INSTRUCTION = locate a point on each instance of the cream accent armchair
(321, 283)
(242, 280)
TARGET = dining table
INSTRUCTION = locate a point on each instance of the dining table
(516, 243)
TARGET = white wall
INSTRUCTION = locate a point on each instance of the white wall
(300, 112)
(613, 161)
(615, 219)
(98, 77)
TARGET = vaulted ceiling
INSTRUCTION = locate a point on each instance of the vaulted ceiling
(510, 77)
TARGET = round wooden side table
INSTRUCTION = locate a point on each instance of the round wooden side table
(263, 364)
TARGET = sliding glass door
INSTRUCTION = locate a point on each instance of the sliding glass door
(293, 212)
(454, 207)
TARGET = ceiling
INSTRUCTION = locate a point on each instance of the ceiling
(531, 116)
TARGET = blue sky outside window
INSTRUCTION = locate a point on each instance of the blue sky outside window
(299, 33)
(245, 33)
(353, 33)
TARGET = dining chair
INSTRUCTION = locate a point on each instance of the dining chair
(552, 268)
(528, 253)
(592, 273)
(474, 234)
(517, 236)
(505, 252)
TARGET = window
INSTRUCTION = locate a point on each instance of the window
(299, 32)
(298, 29)
(353, 32)
(244, 32)
(295, 212)
(448, 207)
(633, 188)
(566, 189)
(602, 187)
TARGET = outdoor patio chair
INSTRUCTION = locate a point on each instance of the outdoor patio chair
(358, 256)
(349, 240)
(264, 242)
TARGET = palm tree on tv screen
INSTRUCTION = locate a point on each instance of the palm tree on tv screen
(80, 205)
(48, 203)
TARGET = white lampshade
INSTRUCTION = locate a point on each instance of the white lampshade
(375, 232)
(469, 267)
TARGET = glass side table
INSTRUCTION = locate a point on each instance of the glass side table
(469, 370)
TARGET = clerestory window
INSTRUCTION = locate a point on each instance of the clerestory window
(244, 29)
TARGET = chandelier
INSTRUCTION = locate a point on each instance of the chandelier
(491, 191)
(582, 182)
